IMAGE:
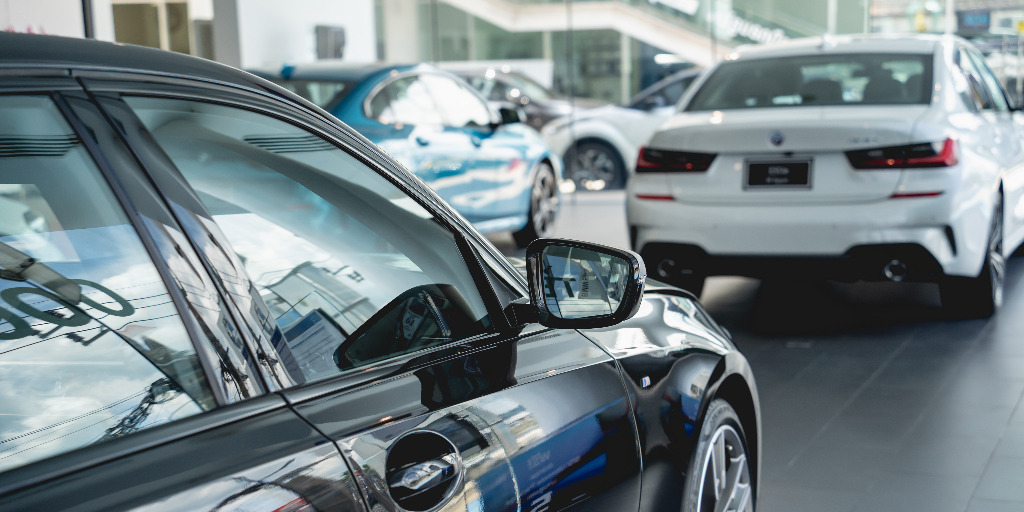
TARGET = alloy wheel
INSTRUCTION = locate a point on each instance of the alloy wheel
(725, 475)
(996, 261)
(544, 199)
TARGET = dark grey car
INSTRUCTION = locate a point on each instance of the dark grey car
(216, 297)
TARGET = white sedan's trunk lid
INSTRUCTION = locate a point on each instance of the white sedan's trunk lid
(787, 155)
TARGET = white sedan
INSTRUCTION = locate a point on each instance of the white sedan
(599, 145)
(849, 158)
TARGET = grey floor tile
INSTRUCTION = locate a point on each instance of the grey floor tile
(980, 505)
(801, 499)
(907, 492)
(1003, 480)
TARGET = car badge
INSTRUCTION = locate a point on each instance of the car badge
(776, 138)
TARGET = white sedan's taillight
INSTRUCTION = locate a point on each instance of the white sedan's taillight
(660, 160)
(924, 154)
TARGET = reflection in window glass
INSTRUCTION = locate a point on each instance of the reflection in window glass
(76, 369)
(579, 283)
(407, 101)
(352, 269)
(460, 107)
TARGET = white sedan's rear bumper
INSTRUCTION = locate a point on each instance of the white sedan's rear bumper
(734, 234)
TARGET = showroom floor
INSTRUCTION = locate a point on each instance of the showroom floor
(871, 401)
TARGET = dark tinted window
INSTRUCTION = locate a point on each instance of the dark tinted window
(91, 348)
(816, 80)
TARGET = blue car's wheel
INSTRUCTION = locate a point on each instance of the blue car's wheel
(543, 208)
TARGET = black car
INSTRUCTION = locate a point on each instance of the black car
(216, 297)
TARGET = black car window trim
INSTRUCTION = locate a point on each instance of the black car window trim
(190, 323)
(289, 114)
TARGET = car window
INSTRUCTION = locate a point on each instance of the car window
(487, 87)
(991, 83)
(91, 344)
(817, 80)
(407, 101)
(459, 106)
(352, 269)
(669, 94)
(980, 98)
(529, 87)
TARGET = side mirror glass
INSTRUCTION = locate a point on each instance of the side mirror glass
(583, 285)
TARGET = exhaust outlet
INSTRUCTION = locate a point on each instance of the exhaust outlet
(895, 270)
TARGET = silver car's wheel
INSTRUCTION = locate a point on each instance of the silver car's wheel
(596, 166)
(543, 208)
(719, 477)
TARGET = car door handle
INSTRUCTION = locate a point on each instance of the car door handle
(422, 141)
(477, 141)
(420, 477)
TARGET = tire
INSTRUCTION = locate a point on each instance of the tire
(595, 166)
(543, 208)
(719, 468)
(981, 296)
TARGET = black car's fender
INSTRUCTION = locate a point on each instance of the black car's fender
(674, 361)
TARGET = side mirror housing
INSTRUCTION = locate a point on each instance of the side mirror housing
(580, 285)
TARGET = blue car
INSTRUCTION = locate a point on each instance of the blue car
(496, 171)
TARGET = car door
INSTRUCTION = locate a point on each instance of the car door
(123, 381)
(1011, 148)
(391, 328)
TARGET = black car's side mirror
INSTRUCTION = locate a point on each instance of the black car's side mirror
(578, 285)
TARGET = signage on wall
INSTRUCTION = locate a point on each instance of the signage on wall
(974, 20)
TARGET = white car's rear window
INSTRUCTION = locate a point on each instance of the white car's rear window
(817, 80)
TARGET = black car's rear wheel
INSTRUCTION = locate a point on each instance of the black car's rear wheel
(979, 297)
(543, 208)
(718, 477)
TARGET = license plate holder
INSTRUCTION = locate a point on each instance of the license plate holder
(778, 174)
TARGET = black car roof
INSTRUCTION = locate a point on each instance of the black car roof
(27, 51)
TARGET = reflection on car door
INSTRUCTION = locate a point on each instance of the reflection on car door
(399, 350)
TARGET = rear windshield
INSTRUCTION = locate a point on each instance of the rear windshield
(815, 80)
(325, 95)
